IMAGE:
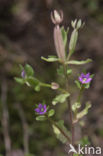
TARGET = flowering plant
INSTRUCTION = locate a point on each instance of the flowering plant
(42, 111)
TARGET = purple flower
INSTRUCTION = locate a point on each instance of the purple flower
(41, 109)
(85, 78)
(23, 74)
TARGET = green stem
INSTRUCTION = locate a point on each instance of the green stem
(69, 105)
(49, 86)
(79, 98)
(80, 93)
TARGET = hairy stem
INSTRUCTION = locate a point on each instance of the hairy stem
(69, 106)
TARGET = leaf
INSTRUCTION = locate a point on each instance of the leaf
(75, 62)
(79, 23)
(51, 112)
(19, 80)
(69, 71)
(57, 132)
(73, 23)
(32, 81)
(75, 106)
(29, 70)
(84, 111)
(73, 41)
(50, 59)
(41, 118)
(84, 141)
(60, 98)
(60, 70)
(64, 35)
(37, 88)
(78, 84)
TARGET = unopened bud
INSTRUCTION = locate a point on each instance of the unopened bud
(57, 17)
(23, 74)
(54, 85)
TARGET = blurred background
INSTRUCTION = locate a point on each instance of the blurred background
(26, 34)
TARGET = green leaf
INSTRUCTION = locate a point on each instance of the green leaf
(50, 59)
(87, 85)
(60, 70)
(60, 98)
(29, 70)
(32, 81)
(19, 80)
(41, 118)
(75, 62)
(37, 88)
(51, 112)
(79, 23)
(73, 23)
(84, 141)
(69, 71)
(57, 132)
(64, 35)
(84, 111)
(73, 41)
(75, 106)
(78, 84)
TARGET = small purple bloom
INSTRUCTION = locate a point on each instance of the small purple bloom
(85, 78)
(41, 109)
(23, 74)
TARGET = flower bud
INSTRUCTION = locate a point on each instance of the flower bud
(54, 85)
(57, 17)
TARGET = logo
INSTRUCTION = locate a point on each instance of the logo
(83, 150)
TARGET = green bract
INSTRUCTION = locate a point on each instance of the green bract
(57, 132)
(41, 118)
(60, 98)
(51, 112)
(50, 59)
(75, 62)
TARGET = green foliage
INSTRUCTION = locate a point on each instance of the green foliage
(84, 141)
(60, 98)
(69, 71)
(75, 106)
(51, 113)
(75, 62)
(57, 132)
(78, 84)
(29, 70)
(50, 59)
(73, 41)
(60, 70)
(19, 80)
(84, 111)
(41, 118)
(64, 35)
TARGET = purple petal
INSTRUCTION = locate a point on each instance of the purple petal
(40, 105)
(37, 110)
(44, 106)
(88, 80)
(80, 79)
(87, 75)
(83, 75)
(23, 74)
